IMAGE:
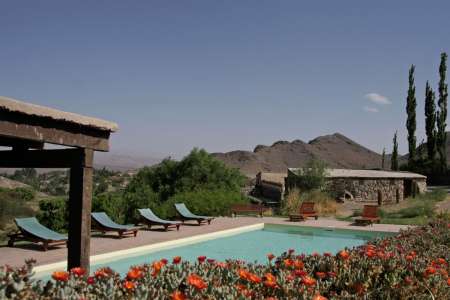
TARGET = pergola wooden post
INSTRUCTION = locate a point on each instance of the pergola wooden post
(25, 128)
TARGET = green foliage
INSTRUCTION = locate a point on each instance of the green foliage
(383, 158)
(111, 203)
(215, 202)
(54, 213)
(198, 172)
(419, 211)
(411, 117)
(394, 157)
(324, 204)
(441, 137)
(27, 175)
(430, 122)
(312, 176)
(14, 204)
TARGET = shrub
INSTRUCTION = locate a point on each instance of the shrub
(324, 204)
(54, 213)
(411, 265)
(111, 203)
(14, 204)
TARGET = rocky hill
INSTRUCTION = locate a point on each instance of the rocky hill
(336, 150)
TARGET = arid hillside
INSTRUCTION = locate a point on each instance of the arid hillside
(336, 150)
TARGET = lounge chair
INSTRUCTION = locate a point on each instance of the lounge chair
(149, 218)
(31, 230)
(306, 210)
(102, 222)
(369, 215)
(186, 215)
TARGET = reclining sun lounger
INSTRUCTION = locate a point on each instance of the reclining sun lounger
(186, 215)
(102, 222)
(306, 210)
(369, 215)
(149, 218)
(33, 231)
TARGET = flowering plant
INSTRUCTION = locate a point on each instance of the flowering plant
(411, 265)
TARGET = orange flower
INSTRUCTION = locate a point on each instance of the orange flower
(344, 254)
(288, 262)
(134, 273)
(243, 274)
(164, 261)
(270, 256)
(196, 281)
(409, 257)
(429, 271)
(177, 295)
(60, 276)
(201, 259)
(319, 297)
(442, 261)
(176, 260)
(157, 265)
(129, 285)
(321, 275)
(221, 264)
(253, 278)
(103, 272)
(448, 282)
(270, 280)
(78, 271)
(306, 280)
(298, 264)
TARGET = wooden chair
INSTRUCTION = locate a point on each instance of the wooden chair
(306, 210)
(369, 216)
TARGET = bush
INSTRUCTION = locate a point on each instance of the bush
(411, 265)
(324, 204)
(111, 203)
(14, 204)
(312, 176)
(54, 213)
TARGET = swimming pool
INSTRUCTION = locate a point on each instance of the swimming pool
(253, 246)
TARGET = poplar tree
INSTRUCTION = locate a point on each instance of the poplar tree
(394, 157)
(430, 122)
(383, 158)
(411, 117)
(441, 138)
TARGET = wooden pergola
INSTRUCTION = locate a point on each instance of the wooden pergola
(26, 128)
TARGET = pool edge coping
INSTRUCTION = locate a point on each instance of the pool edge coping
(109, 256)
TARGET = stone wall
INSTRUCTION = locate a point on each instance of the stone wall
(376, 191)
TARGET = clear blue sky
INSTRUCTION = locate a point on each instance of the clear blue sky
(225, 75)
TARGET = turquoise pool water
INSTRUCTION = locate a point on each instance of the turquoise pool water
(253, 246)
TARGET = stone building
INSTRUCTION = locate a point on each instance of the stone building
(368, 186)
(270, 186)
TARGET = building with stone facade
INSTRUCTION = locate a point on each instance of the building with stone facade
(368, 186)
(365, 186)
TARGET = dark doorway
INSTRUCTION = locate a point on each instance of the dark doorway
(380, 198)
(407, 188)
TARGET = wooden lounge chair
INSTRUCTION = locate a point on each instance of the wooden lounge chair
(257, 209)
(369, 215)
(306, 210)
(31, 230)
(186, 215)
(150, 219)
(103, 223)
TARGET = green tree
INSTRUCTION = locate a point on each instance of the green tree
(430, 122)
(394, 157)
(312, 176)
(441, 140)
(383, 158)
(411, 117)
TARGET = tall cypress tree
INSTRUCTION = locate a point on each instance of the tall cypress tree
(430, 122)
(441, 140)
(411, 117)
(383, 158)
(394, 157)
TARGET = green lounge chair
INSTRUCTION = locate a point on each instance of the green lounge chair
(102, 222)
(31, 230)
(149, 218)
(186, 215)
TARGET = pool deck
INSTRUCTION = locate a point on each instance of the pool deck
(103, 244)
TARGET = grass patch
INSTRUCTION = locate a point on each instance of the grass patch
(418, 210)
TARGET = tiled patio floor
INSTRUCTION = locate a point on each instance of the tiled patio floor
(99, 245)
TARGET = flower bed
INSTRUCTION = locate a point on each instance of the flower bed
(412, 265)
